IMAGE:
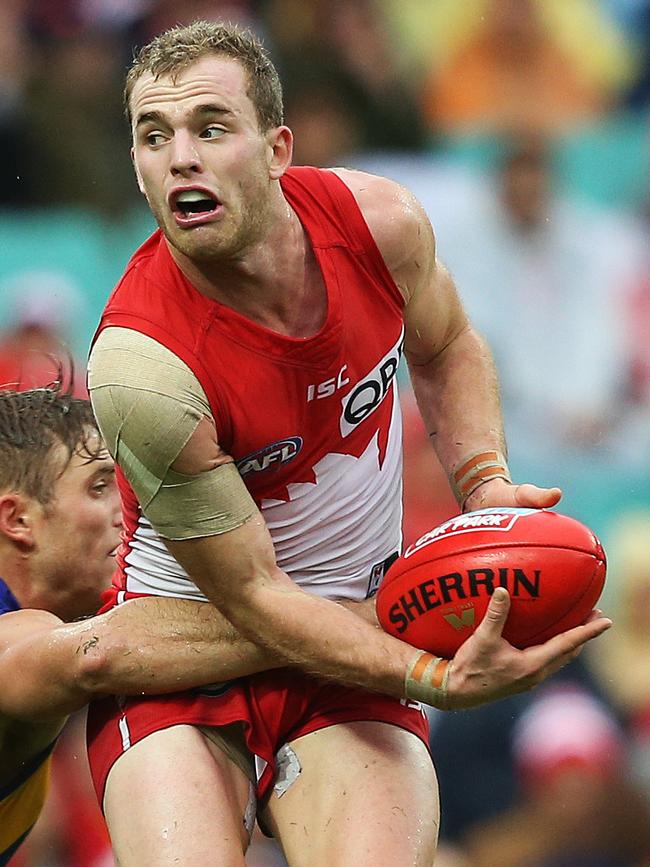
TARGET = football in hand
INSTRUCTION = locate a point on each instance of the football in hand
(436, 593)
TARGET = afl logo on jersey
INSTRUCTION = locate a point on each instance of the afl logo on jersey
(274, 455)
(368, 394)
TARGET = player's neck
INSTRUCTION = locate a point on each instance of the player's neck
(18, 585)
(27, 586)
(276, 281)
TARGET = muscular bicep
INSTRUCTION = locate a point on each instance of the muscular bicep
(20, 626)
(31, 685)
(157, 424)
(433, 312)
(433, 317)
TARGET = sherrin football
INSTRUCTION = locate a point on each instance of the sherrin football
(436, 593)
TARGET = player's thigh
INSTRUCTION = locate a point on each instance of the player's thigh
(366, 794)
(175, 799)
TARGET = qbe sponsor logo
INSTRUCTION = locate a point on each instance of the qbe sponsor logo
(367, 395)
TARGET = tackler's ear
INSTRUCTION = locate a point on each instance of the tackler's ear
(17, 514)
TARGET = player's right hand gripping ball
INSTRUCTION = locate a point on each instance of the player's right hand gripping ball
(436, 594)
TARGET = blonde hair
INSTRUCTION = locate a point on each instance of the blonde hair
(174, 50)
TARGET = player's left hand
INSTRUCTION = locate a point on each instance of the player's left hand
(486, 667)
(499, 492)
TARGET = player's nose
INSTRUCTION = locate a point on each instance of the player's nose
(185, 157)
(116, 510)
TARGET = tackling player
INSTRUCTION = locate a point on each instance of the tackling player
(60, 524)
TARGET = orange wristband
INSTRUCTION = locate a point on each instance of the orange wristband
(427, 679)
(479, 467)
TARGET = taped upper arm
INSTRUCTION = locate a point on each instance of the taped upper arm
(147, 403)
(157, 424)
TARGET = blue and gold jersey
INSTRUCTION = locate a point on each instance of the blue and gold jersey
(8, 601)
(22, 799)
(21, 802)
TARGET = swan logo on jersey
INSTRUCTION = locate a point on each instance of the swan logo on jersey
(368, 394)
(274, 455)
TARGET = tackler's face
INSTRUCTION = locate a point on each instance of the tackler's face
(201, 160)
(77, 534)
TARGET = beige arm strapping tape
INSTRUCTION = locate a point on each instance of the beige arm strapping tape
(148, 403)
(475, 469)
(427, 679)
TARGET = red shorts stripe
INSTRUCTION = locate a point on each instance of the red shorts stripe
(275, 707)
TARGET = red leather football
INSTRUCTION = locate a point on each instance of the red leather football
(436, 593)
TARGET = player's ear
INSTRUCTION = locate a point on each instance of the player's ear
(17, 519)
(280, 150)
(137, 173)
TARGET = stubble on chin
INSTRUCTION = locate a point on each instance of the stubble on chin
(216, 242)
(188, 242)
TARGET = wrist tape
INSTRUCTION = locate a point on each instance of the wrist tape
(427, 679)
(475, 469)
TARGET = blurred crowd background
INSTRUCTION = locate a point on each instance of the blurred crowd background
(524, 128)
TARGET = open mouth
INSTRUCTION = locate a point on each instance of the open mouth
(194, 207)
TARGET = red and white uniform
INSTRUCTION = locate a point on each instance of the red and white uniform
(313, 423)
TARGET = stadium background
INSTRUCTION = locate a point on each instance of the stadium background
(524, 128)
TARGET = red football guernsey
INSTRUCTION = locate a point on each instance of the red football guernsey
(313, 423)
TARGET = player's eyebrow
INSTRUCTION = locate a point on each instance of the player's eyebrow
(151, 117)
(207, 109)
(211, 108)
(102, 467)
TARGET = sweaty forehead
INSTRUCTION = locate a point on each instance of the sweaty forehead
(83, 466)
(216, 80)
(89, 457)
